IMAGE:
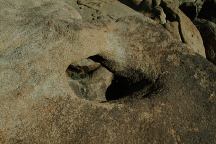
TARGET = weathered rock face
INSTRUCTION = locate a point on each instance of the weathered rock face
(202, 13)
(45, 52)
(167, 11)
(188, 31)
(173, 28)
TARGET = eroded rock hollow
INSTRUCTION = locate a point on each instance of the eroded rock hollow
(106, 71)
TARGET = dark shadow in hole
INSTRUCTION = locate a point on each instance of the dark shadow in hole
(122, 87)
(130, 4)
(189, 9)
(208, 10)
(101, 60)
(170, 15)
(143, 6)
(97, 58)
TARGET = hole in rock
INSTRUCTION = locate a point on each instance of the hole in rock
(123, 87)
(90, 80)
(134, 85)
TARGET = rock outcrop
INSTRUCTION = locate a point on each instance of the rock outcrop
(202, 13)
(167, 11)
(50, 51)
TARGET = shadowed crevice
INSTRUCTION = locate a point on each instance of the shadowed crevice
(126, 86)
(122, 87)
(189, 9)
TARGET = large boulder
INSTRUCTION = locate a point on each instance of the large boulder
(167, 11)
(187, 30)
(170, 95)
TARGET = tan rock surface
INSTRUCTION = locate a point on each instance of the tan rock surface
(40, 39)
(188, 31)
(169, 10)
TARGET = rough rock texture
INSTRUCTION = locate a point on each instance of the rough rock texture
(89, 80)
(188, 31)
(203, 14)
(168, 10)
(173, 28)
(173, 89)
(208, 32)
(160, 14)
